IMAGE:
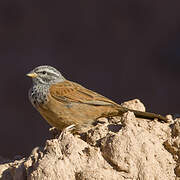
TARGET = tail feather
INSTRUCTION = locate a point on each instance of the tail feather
(141, 114)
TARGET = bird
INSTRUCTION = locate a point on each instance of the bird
(64, 103)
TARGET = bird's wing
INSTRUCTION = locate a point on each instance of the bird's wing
(69, 92)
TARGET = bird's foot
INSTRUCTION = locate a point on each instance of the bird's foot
(66, 130)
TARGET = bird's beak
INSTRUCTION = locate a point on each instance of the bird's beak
(32, 75)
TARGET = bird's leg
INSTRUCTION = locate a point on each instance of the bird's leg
(66, 130)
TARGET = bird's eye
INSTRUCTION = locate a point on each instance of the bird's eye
(44, 72)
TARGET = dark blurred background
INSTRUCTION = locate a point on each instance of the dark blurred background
(122, 49)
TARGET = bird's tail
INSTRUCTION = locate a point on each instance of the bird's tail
(141, 114)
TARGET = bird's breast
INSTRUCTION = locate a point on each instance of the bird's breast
(38, 96)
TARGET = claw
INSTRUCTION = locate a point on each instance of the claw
(66, 130)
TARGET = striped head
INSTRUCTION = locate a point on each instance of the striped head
(45, 75)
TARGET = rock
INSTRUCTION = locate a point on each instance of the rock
(135, 104)
(172, 144)
(117, 148)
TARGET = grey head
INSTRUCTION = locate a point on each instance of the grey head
(45, 75)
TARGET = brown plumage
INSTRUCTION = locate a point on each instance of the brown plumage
(63, 103)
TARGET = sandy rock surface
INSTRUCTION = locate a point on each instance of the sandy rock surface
(117, 148)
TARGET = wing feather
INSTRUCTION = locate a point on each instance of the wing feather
(69, 92)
